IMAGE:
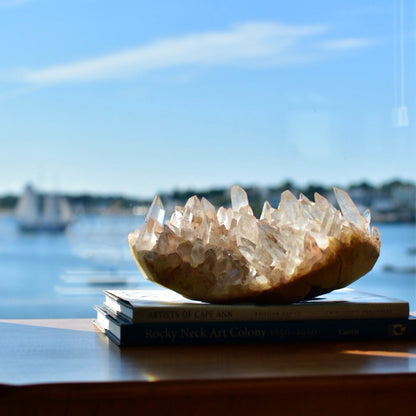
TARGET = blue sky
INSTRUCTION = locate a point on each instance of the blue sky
(139, 97)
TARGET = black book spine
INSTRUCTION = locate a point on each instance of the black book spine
(265, 332)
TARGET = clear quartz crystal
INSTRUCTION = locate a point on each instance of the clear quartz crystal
(209, 210)
(225, 217)
(154, 219)
(348, 209)
(266, 213)
(247, 229)
(231, 249)
(239, 199)
(367, 217)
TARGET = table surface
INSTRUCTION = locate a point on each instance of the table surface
(51, 353)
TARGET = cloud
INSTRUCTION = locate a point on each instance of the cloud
(349, 43)
(13, 3)
(244, 44)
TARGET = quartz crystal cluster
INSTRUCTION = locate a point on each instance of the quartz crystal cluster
(297, 251)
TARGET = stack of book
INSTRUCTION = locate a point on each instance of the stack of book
(163, 317)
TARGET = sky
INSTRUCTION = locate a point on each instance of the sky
(140, 97)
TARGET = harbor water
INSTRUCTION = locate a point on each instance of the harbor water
(63, 275)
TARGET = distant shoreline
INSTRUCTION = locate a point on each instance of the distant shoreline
(390, 219)
(391, 202)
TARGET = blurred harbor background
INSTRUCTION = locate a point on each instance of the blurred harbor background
(63, 274)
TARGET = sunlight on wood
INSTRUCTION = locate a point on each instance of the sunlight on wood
(392, 354)
(72, 324)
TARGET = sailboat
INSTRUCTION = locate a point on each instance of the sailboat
(42, 212)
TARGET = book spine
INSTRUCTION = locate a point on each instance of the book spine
(225, 313)
(263, 332)
(216, 313)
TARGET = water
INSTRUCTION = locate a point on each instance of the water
(63, 276)
(394, 273)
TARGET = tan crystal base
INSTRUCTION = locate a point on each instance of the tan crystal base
(299, 251)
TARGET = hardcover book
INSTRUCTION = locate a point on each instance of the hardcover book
(127, 333)
(163, 305)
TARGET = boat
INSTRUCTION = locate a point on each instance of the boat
(42, 212)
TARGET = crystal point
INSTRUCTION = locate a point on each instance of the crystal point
(156, 210)
(348, 208)
(239, 199)
(153, 221)
(266, 213)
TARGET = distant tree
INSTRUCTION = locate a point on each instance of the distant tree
(388, 187)
(310, 190)
(362, 185)
(182, 195)
(8, 202)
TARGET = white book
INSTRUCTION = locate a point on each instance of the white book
(164, 305)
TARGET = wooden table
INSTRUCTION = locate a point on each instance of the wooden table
(67, 367)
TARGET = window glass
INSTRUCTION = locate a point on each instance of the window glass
(109, 104)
